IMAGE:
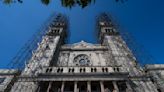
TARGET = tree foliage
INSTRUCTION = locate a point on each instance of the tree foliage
(64, 3)
(7, 1)
(46, 2)
(71, 3)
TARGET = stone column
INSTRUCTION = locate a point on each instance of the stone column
(62, 86)
(75, 86)
(49, 86)
(88, 86)
(129, 89)
(115, 87)
(102, 86)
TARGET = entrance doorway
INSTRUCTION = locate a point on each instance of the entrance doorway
(95, 86)
(82, 86)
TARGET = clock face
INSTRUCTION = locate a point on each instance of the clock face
(82, 60)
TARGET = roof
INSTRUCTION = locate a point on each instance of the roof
(8, 71)
(82, 45)
(154, 67)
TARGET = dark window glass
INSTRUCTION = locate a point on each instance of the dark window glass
(2, 80)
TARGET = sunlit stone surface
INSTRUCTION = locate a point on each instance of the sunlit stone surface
(109, 66)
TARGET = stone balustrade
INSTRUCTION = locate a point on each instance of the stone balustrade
(75, 70)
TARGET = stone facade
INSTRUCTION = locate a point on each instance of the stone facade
(109, 66)
(7, 79)
(156, 73)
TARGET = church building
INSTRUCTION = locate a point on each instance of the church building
(108, 66)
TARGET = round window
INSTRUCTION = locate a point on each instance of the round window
(82, 60)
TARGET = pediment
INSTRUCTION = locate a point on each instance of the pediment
(82, 44)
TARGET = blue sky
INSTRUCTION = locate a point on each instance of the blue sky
(142, 18)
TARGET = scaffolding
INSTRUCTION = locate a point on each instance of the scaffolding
(142, 56)
(25, 53)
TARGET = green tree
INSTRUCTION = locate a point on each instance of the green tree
(71, 3)
(64, 3)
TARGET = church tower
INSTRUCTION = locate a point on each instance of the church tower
(121, 56)
(108, 66)
(44, 56)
